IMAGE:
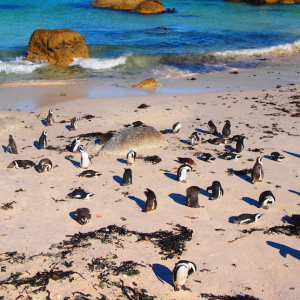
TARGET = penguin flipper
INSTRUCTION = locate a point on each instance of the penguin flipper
(222, 191)
(208, 189)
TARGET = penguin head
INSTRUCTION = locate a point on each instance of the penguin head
(258, 160)
(77, 118)
(227, 122)
(50, 112)
(80, 148)
(257, 216)
(45, 132)
(83, 220)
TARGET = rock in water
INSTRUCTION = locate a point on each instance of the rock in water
(9, 124)
(147, 83)
(133, 138)
(149, 7)
(58, 47)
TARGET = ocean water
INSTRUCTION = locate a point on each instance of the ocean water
(202, 36)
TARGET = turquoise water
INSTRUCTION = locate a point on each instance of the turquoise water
(203, 36)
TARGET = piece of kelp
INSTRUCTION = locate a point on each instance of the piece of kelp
(227, 297)
(289, 230)
(154, 159)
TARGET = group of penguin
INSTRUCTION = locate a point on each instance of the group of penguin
(183, 268)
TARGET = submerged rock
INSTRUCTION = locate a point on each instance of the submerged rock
(133, 138)
(150, 7)
(9, 124)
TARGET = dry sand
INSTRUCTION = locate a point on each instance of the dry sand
(265, 266)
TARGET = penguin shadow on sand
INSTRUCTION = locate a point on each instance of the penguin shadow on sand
(171, 176)
(167, 131)
(178, 198)
(267, 157)
(291, 153)
(230, 148)
(297, 193)
(5, 149)
(231, 219)
(68, 127)
(203, 131)
(122, 161)
(287, 219)
(285, 250)
(250, 201)
(36, 168)
(72, 215)
(163, 273)
(36, 144)
(74, 162)
(138, 201)
(44, 122)
(118, 179)
(244, 177)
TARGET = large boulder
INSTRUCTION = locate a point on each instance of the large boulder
(133, 138)
(140, 6)
(58, 47)
(9, 124)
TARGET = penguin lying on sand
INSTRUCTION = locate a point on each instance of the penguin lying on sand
(80, 194)
(82, 215)
(246, 218)
(23, 164)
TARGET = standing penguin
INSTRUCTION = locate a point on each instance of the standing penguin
(74, 123)
(182, 171)
(75, 145)
(181, 272)
(195, 137)
(277, 156)
(216, 190)
(212, 127)
(43, 140)
(176, 127)
(226, 129)
(240, 144)
(131, 156)
(44, 165)
(192, 196)
(257, 173)
(12, 146)
(265, 198)
(127, 177)
(50, 118)
(85, 158)
(151, 202)
(82, 215)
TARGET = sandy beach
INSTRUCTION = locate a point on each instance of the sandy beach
(39, 224)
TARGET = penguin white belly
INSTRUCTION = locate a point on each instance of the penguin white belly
(182, 176)
(84, 160)
(130, 160)
(181, 276)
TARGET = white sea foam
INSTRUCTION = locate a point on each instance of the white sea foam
(20, 66)
(99, 63)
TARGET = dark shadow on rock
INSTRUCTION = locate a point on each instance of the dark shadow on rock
(244, 177)
(291, 153)
(163, 273)
(121, 160)
(231, 219)
(297, 193)
(285, 250)
(5, 149)
(36, 144)
(178, 198)
(74, 162)
(118, 179)
(250, 201)
(171, 176)
(138, 201)
(72, 215)
(68, 127)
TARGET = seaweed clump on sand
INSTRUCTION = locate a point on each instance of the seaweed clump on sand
(227, 297)
(289, 230)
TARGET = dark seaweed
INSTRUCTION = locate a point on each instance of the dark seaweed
(227, 297)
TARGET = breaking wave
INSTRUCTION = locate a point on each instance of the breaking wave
(20, 66)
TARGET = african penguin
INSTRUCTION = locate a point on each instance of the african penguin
(151, 203)
(186, 161)
(74, 123)
(89, 174)
(219, 141)
(127, 177)
(24, 164)
(216, 190)
(277, 156)
(44, 165)
(131, 156)
(75, 145)
(208, 157)
(246, 218)
(212, 127)
(195, 137)
(192, 196)
(182, 171)
(257, 173)
(80, 193)
(50, 118)
(176, 127)
(43, 140)
(230, 156)
(82, 215)
(226, 129)
(12, 146)
(240, 144)
(85, 158)
(265, 198)
(180, 273)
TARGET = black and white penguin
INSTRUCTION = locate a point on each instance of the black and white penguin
(176, 127)
(151, 202)
(192, 196)
(194, 138)
(43, 140)
(207, 157)
(12, 146)
(182, 171)
(131, 156)
(82, 215)
(240, 144)
(21, 164)
(180, 273)
(246, 218)
(127, 177)
(216, 190)
(44, 165)
(138, 124)
(74, 123)
(89, 174)
(50, 118)
(186, 161)
(226, 129)
(257, 173)
(265, 198)
(80, 194)
(75, 145)
(85, 158)
(212, 127)
(236, 137)
(219, 141)
(230, 156)
(277, 156)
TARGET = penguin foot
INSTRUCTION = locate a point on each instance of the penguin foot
(265, 207)
(176, 288)
(186, 288)
(183, 181)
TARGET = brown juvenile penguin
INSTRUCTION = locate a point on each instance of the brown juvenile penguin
(50, 118)
(226, 129)
(186, 161)
(257, 173)
(74, 123)
(151, 202)
(44, 165)
(212, 127)
(12, 146)
(82, 215)
(192, 196)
